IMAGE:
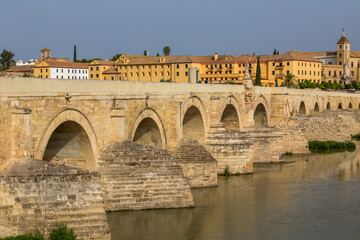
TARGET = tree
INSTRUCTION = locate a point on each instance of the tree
(274, 52)
(145, 53)
(62, 232)
(258, 73)
(116, 56)
(289, 80)
(6, 60)
(75, 60)
(166, 50)
(157, 54)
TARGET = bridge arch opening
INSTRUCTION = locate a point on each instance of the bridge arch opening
(193, 125)
(340, 106)
(260, 116)
(302, 108)
(316, 108)
(148, 133)
(230, 117)
(70, 144)
(328, 106)
(350, 105)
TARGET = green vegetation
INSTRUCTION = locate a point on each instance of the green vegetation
(288, 153)
(356, 137)
(326, 85)
(75, 60)
(168, 80)
(6, 60)
(26, 75)
(116, 56)
(331, 145)
(61, 232)
(166, 50)
(84, 60)
(227, 171)
(258, 73)
(145, 53)
(275, 52)
(289, 80)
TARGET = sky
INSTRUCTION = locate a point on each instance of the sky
(102, 28)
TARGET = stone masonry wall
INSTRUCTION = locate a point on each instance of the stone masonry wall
(198, 165)
(38, 195)
(136, 176)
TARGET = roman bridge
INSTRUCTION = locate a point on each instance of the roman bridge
(73, 120)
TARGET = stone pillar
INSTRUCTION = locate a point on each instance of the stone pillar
(117, 125)
(20, 133)
(214, 112)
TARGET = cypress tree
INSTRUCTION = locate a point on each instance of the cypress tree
(274, 52)
(145, 53)
(75, 60)
(258, 73)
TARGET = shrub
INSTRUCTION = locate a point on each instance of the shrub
(227, 171)
(328, 145)
(37, 236)
(62, 232)
(289, 153)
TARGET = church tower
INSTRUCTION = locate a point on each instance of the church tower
(45, 53)
(343, 50)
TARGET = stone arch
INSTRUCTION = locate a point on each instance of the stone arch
(196, 102)
(68, 137)
(148, 129)
(328, 107)
(260, 116)
(302, 108)
(230, 113)
(350, 105)
(340, 106)
(316, 107)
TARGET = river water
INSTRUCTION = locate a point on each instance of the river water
(315, 197)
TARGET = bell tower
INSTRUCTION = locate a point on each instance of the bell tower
(45, 53)
(343, 50)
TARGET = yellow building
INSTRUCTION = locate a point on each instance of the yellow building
(97, 67)
(312, 66)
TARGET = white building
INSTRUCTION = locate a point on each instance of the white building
(29, 62)
(61, 70)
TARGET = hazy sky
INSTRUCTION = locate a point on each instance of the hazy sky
(103, 28)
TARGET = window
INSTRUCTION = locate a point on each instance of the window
(186, 66)
(302, 64)
(310, 64)
(97, 75)
(104, 78)
(41, 70)
(310, 73)
(340, 46)
(112, 78)
(352, 73)
(287, 72)
(305, 70)
(75, 71)
(302, 72)
(91, 75)
(177, 65)
(340, 55)
(57, 70)
(177, 73)
(97, 68)
(305, 64)
(273, 64)
(298, 72)
(340, 63)
(186, 73)
(91, 68)
(273, 72)
(68, 70)
(62, 70)
(288, 63)
(340, 73)
(352, 64)
(329, 73)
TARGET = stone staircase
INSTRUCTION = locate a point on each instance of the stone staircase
(136, 176)
(196, 162)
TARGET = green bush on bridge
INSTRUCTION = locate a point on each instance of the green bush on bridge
(328, 145)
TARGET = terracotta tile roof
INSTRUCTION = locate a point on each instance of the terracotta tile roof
(103, 62)
(139, 60)
(25, 68)
(355, 54)
(291, 56)
(44, 49)
(65, 64)
(111, 70)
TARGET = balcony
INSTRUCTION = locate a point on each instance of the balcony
(278, 67)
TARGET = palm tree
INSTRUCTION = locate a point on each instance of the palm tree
(289, 80)
(166, 50)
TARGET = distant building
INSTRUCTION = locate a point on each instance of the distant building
(29, 62)
(97, 67)
(20, 71)
(60, 68)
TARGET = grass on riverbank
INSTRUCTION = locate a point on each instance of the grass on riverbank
(61, 232)
(331, 146)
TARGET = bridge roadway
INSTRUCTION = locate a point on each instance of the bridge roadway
(73, 120)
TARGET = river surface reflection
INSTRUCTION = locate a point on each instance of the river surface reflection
(316, 197)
